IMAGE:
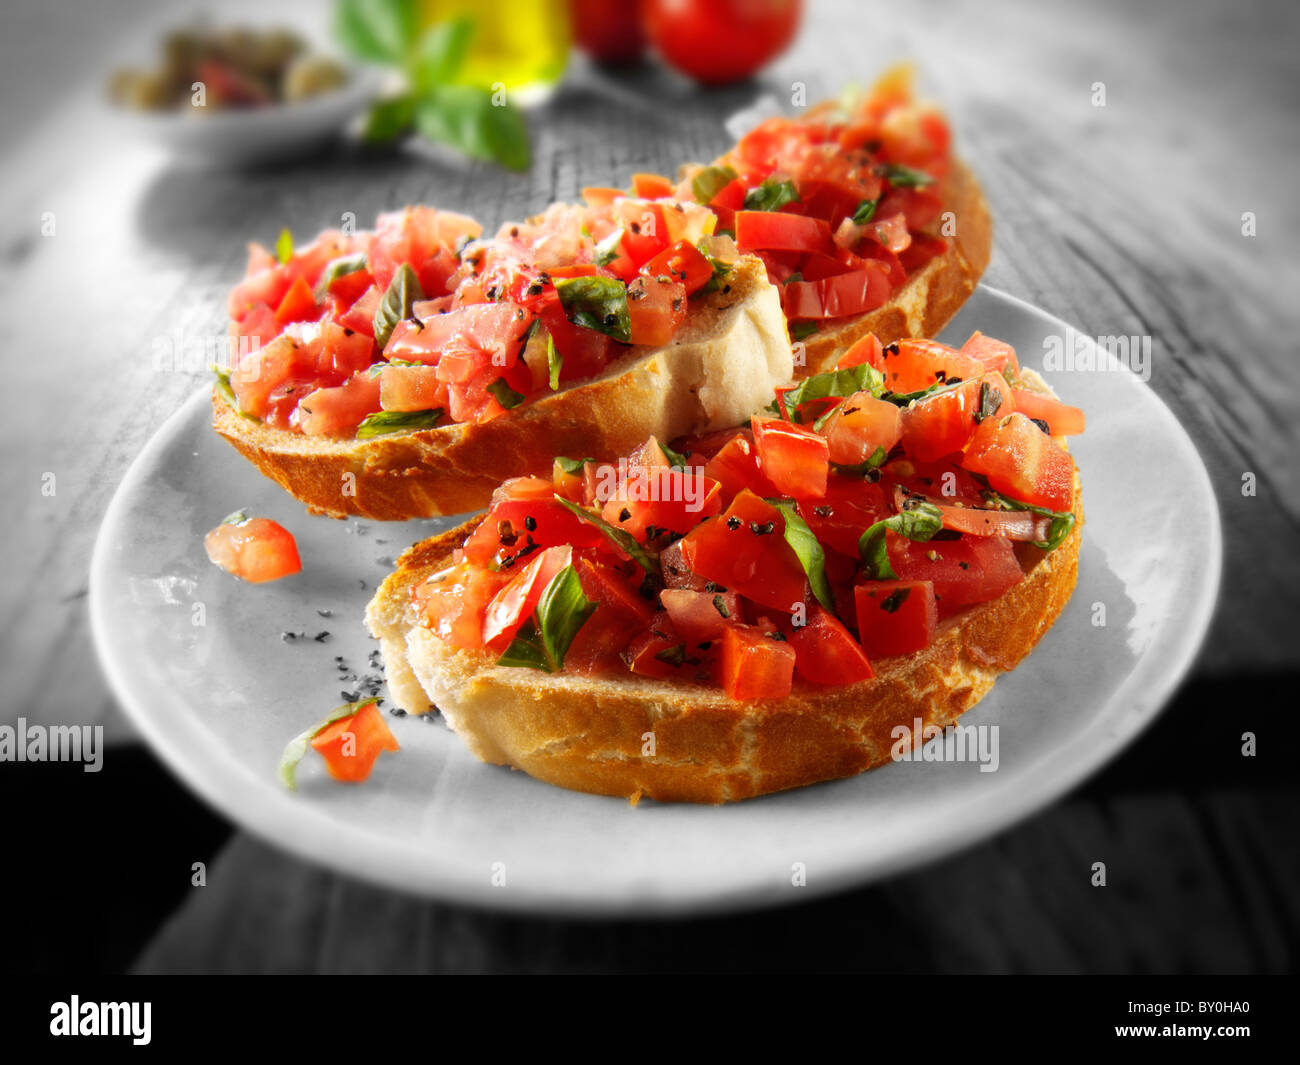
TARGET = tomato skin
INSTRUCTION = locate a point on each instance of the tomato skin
(719, 41)
(514, 604)
(826, 652)
(854, 292)
(685, 498)
(735, 466)
(780, 231)
(909, 627)
(696, 615)
(621, 614)
(963, 572)
(337, 411)
(849, 508)
(943, 423)
(866, 350)
(1062, 419)
(360, 317)
(860, 425)
(256, 550)
(994, 354)
(918, 364)
(755, 665)
(744, 550)
(656, 308)
(794, 458)
(1023, 462)
(411, 388)
(504, 532)
(683, 262)
(351, 745)
(298, 304)
(453, 608)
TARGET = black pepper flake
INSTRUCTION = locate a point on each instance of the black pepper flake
(964, 565)
(765, 529)
(720, 605)
(530, 523)
(1042, 424)
(325, 613)
(506, 534)
(321, 637)
(624, 514)
(713, 586)
(779, 637)
(397, 711)
(824, 511)
(289, 637)
(349, 697)
(733, 523)
(891, 349)
(704, 646)
(677, 304)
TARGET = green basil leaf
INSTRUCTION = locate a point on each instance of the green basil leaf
(772, 195)
(673, 656)
(721, 269)
(990, 402)
(710, 181)
(561, 612)
(904, 177)
(403, 293)
(919, 523)
(554, 362)
(505, 395)
(620, 538)
(861, 469)
(1061, 525)
(237, 517)
(336, 268)
(866, 211)
(526, 650)
(573, 467)
(297, 747)
(803, 330)
(598, 303)
(383, 365)
(607, 249)
(389, 119)
(465, 117)
(675, 458)
(440, 52)
(383, 422)
(841, 383)
(284, 245)
(811, 554)
(354, 31)
(226, 392)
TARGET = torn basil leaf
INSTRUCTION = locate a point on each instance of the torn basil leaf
(403, 293)
(1058, 529)
(554, 362)
(710, 181)
(561, 612)
(383, 422)
(841, 383)
(284, 246)
(336, 268)
(505, 395)
(607, 249)
(920, 524)
(297, 747)
(866, 211)
(598, 303)
(772, 195)
(905, 177)
(861, 469)
(803, 330)
(811, 554)
(620, 538)
(573, 467)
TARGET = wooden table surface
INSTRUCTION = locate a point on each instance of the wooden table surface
(1123, 219)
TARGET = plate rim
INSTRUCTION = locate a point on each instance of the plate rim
(371, 858)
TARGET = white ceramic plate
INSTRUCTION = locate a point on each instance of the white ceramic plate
(218, 700)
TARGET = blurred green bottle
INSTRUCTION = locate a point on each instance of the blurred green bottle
(521, 43)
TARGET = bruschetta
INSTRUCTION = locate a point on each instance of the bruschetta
(758, 608)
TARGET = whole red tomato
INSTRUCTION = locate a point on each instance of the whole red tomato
(607, 30)
(717, 41)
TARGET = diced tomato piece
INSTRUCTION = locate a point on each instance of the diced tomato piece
(859, 426)
(453, 607)
(411, 388)
(756, 664)
(601, 195)
(971, 570)
(259, 259)
(780, 231)
(943, 423)
(922, 249)
(257, 328)
(255, 550)
(895, 617)
(267, 286)
(794, 458)
(621, 614)
(585, 352)
(826, 652)
(346, 289)
(568, 485)
(677, 574)
(918, 364)
(656, 308)
(683, 262)
(994, 354)
(701, 616)
(1061, 419)
(661, 652)
(849, 508)
(337, 411)
(644, 232)
(351, 745)
(651, 186)
(514, 604)
(505, 532)
(664, 498)
(417, 235)
(919, 206)
(268, 368)
(340, 352)
(1023, 462)
(360, 317)
(744, 550)
(868, 349)
(845, 294)
(736, 468)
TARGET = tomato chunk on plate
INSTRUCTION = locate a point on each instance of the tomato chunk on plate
(256, 550)
(351, 745)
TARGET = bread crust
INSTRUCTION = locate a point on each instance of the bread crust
(589, 734)
(732, 351)
(931, 296)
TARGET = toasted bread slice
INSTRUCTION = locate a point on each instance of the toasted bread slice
(732, 351)
(932, 295)
(589, 733)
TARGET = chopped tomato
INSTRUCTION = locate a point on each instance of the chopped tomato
(1061, 419)
(257, 376)
(621, 614)
(338, 411)
(826, 652)
(512, 523)
(794, 458)
(254, 549)
(779, 231)
(683, 262)
(844, 294)
(266, 286)
(918, 364)
(514, 604)
(941, 424)
(351, 745)
(411, 388)
(453, 607)
(861, 425)
(849, 508)
(424, 238)
(339, 353)
(677, 574)
(895, 617)
(744, 550)
(298, 304)
(994, 354)
(701, 616)
(756, 664)
(922, 249)
(651, 186)
(664, 498)
(346, 289)
(868, 349)
(661, 652)
(360, 317)
(656, 307)
(1023, 462)
(962, 572)
(735, 466)
(601, 195)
